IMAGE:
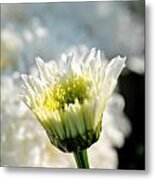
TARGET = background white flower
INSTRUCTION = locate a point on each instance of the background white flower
(11, 48)
(112, 26)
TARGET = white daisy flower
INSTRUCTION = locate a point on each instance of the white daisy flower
(69, 103)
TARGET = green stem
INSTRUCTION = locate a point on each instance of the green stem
(81, 158)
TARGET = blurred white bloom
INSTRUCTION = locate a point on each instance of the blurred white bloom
(11, 47)
(111, 25)
(41, 32)
(28, 36)
(115, 128)
(38, 30)
(136, 64)
(11, 40)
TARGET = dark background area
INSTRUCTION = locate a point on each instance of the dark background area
(132, 155)
(132, 87)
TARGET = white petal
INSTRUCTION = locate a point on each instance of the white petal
(41, 67)
(88, 113)
(39, 62)
(90, 57)
(27, 84)
(112, 73)
(115, 67)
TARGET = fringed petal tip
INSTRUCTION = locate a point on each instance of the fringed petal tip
(115, 67)
(122, 60)
(39, 60)
(24, 77)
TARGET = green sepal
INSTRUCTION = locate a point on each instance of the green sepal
(78, 143)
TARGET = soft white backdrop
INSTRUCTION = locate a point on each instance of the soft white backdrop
(39, 174)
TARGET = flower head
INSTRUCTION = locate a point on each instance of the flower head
(69, 100)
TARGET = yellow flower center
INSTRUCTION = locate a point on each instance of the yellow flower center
(65, 92)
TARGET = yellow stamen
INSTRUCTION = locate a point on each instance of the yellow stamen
(65, 92)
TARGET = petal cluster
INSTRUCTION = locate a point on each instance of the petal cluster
(69, 100)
